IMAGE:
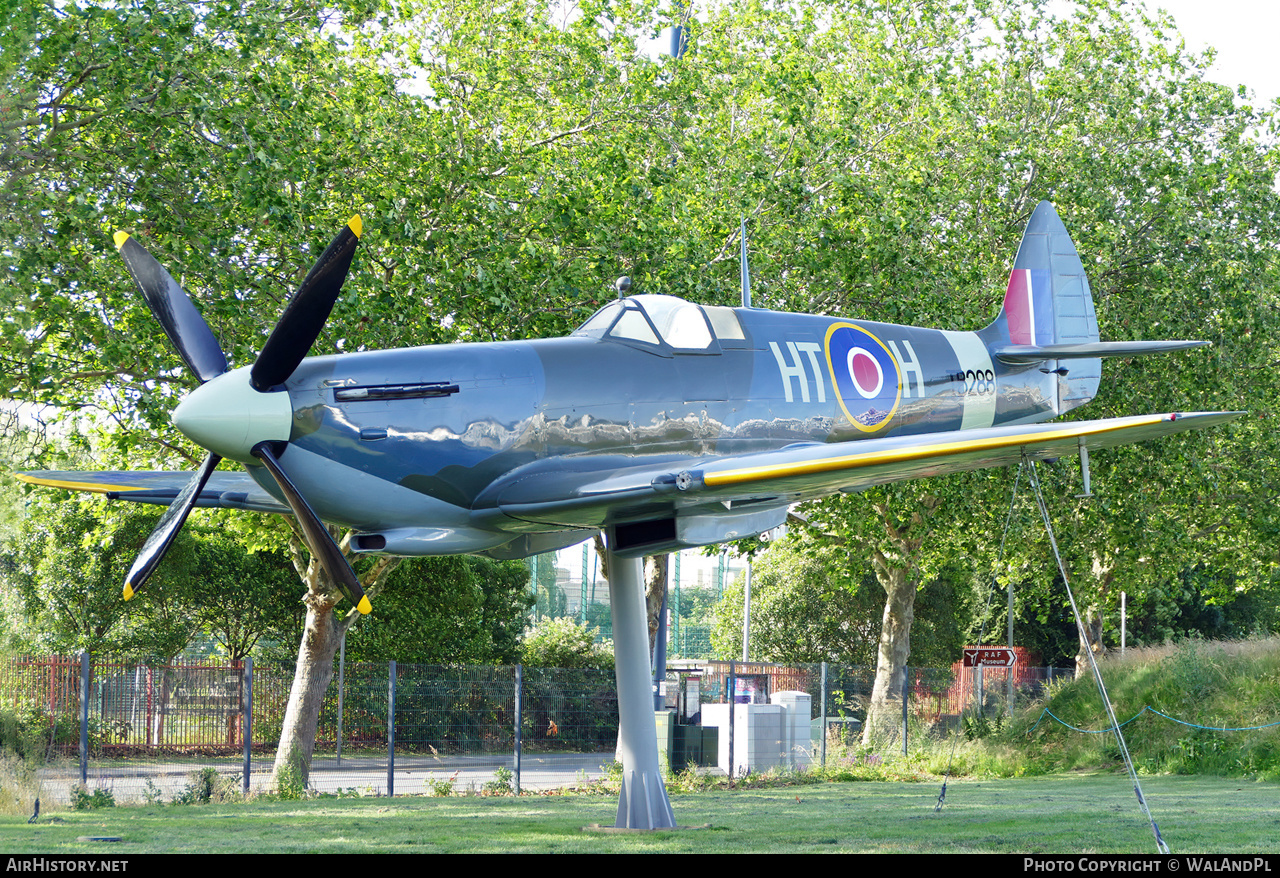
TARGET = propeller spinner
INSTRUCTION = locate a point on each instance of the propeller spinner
(243, 414)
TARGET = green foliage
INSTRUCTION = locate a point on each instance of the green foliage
(503, 783)
(551, 598)
(448, 610)
(19, 785)
(976, 726)
(152, 794)
(84, 799)
(813, 602)
(207, 785)
(809, 604)
(564, 643)
(62, 568)
(23, 735)
(440, 787)
(1205, 688)
(290, 785)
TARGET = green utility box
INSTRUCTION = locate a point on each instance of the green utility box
(685, 746)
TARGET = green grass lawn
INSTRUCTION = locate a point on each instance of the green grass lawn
(1061, 814)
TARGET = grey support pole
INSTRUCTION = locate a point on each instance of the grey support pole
(730, 686)
(642, 802)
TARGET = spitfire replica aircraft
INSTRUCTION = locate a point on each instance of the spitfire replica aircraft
(663, 423)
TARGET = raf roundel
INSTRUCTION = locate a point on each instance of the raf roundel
(866, 376)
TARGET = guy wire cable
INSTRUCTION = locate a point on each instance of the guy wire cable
(1093, 662)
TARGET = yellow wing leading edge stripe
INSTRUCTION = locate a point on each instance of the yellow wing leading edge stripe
(95, 487)
(919, 452)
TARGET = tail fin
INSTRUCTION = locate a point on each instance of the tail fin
(1048, 315)
(1048, 310)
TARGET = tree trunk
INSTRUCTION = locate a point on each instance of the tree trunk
(320, 639)
(1094, 644)
(655, 589)
(1104, 573)
(321, 635)
(885, 710)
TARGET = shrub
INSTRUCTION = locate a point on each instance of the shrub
(564, 643)
(82, 799)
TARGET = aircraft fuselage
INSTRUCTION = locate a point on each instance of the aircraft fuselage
(456, 427)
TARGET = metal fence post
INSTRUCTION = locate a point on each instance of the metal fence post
(246, 721)
(84, 718)
(906, 690)
(519, 720)
(391, 728)
(342, 671)
(729, 691)
(822, 713)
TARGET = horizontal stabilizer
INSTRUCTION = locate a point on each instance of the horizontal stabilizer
(1015, 354)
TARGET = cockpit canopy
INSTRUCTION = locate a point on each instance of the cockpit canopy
(664, 321)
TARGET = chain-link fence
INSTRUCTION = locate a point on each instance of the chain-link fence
(142, 729)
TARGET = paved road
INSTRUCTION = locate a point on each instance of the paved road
(367, 774)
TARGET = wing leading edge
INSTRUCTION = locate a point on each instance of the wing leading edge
(224, 490)
(875, 462)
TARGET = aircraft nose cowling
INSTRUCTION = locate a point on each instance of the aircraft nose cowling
(228, 417)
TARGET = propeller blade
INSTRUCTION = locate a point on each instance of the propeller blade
(307, 311)
(170, 523)
(317, 535)
(188, 331)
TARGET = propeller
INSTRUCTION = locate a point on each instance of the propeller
(243, 414)
(170, 523)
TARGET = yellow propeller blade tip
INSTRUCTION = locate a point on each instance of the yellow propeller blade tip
(120, 238)
(364, 606)
(128, 592)
(355, 225)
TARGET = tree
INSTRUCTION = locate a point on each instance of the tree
(237, 595)
(62, 568)
(885, 155)
(814, 601)
(955, 121)
(65, 561)
(447, 610)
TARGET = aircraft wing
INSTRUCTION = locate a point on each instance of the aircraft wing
(224, 490)
(862, 464)
(739, 495)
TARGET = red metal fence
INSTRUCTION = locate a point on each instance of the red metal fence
(191, 706)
